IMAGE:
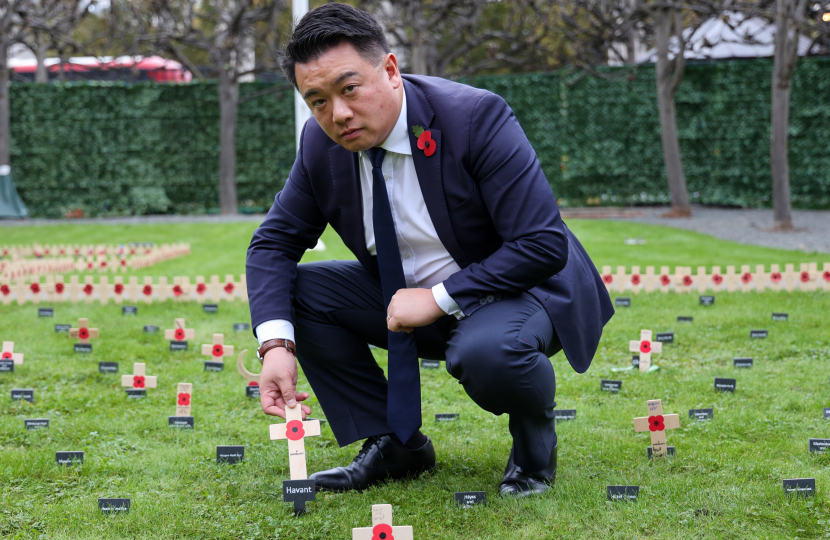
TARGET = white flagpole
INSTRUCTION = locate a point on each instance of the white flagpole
(301, 111)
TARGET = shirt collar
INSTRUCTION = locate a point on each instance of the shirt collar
(398, 140)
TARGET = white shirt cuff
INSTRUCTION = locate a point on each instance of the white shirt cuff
(445, 301)
(274, 329)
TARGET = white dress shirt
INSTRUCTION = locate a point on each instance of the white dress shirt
(425, 260)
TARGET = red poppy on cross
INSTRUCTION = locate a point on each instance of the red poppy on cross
(139, 378)
(179, 332)
(217, 349)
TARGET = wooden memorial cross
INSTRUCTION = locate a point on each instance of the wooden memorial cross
(825, 276)
(9, 354)
(636, 279)
(253, 378)
(299, 489)
(216, 289)
(295, 430)
(382, 528)
(218, 350)
(138, 379)
(183, 394)
(665, 279)
(607, 278)
(182, 419)
(746, 278)
(179, 332)
(717, 278)
(657, 423)
(702, 279)
(645, 347)
(761, 278)
(731, 278)
(649, 280)
(620, 279)
(147, 290)
(83, 333)
(807, 276)
(790, 277)
(201, 288)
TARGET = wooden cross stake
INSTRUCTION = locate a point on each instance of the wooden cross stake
(218, 350)
(657, 423)
(295, 430)
(83, 333)
(645, 347)
(138, 379)
(183, 393)
(382, 527)
(179, 332)
(9, 354)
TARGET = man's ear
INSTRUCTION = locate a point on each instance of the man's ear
(390, 67)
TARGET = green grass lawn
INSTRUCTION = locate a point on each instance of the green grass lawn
(724, 482)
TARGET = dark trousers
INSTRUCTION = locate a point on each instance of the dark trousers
(500, 355)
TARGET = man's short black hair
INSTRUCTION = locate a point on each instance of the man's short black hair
(328, 26)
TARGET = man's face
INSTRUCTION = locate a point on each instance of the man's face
(356, 103)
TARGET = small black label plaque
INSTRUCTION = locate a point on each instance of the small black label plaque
(210, 308)
(801, 487)
(69, 458)
(83, 347)
(430, 364)
(183, 422)
(664, 337)
(635, 360)
(45, 312)
(107, 367)
(681, 318)
(7, 366)
(742, 362)
(623, 493)
(669, 451)
(252, 391)
(214, 366)
(62, 328)
(230, 454)
(23, 393)
(446, 417)
(468, 499)
(758, 334)
(725, 385)
(701, 415)
(299, 490)
(564, 414)
(819, 445)
(150, 329)
(136, 393)
(178, 345)
(610, 386)
(826, 413)
(129, 310)
(36, 423)
(241, 327)
(707, 300)
(114, 506)
(622, 302)
(780, 316)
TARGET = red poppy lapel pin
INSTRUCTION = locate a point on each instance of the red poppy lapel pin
(425, 140)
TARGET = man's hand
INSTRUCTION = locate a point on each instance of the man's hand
(412, 308)
(278, 383)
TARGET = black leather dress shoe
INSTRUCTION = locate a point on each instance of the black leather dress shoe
(518, 483)
(379, 460)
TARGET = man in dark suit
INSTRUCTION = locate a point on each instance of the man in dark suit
(461, 256)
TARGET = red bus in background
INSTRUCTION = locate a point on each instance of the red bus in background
(90, 68)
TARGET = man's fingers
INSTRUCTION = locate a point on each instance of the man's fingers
(288, 393)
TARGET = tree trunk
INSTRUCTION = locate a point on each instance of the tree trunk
(228, 107)
(783, 68)
(41, 75)
(5, 138)
(666, 87)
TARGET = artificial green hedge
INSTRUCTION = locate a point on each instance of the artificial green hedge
(114, 149)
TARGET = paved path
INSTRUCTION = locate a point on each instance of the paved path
(746, 226)
(740, 225)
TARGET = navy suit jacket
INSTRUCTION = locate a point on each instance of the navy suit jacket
(489, 201)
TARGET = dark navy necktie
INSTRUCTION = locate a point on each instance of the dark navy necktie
(403, 407)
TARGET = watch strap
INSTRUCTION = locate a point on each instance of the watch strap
(273, 344)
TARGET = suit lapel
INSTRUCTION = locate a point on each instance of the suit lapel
(428, 168)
